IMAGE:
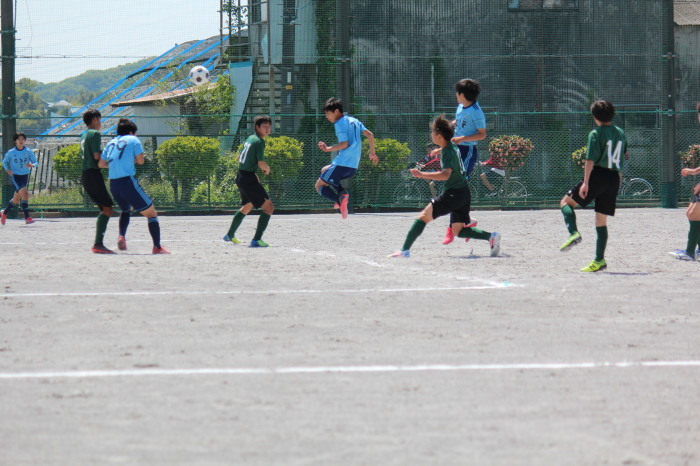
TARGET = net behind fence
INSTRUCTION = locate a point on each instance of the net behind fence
(541, 63)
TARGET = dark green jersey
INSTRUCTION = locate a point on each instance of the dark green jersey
(90, 142)
(450, 159)
(253, 152)
(607, 146)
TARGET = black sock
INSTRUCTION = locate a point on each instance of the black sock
(124, 220)
(25, 208)
(154, 230)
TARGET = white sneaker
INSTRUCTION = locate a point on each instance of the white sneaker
(681, 255)
(495, 243)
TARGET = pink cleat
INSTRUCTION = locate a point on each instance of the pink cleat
(344, 199)
(121, 243)
(449, 236)
(160, 250)
(29, 220)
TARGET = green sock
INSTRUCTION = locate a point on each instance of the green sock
(569, 218)
(601, 243)
(413, 234)
(693, 237)
(102, 221)
(235, 223)
(263, 220)
(474, 233)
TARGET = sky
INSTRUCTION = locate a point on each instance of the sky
(66, 37)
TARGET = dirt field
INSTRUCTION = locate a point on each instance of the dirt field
(320, 350)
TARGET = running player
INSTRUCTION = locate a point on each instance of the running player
(470, 128)
(607, 150)
(253, 194)
(120, 156)
(693, 214)
(456, 200)
(18, 163)
(344, 166)
(93, 182)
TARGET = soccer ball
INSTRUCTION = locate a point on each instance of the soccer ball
(199, 75)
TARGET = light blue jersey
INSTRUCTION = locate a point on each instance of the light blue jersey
(16, 160)
(121, 153)
(469, 120)
(349, 129)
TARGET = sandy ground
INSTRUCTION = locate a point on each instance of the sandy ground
(320, 350)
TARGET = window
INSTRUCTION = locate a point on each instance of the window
(539, 5)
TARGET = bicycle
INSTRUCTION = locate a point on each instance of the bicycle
(635, 188)
(412, 190)
(506, 189)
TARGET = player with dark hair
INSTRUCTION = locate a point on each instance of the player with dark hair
(253, 194)
(607, 150)
(693, 214)
(456, 200)
(18, 163)
(91, 178)
(349, 131)
(120, 156)
(470, 128)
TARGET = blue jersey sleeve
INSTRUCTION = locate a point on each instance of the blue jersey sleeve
(342, 129)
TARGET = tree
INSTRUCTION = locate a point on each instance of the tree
(393, 157)
(68, 163)
(208, 109)
(186, 161)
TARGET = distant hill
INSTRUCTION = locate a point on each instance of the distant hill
(81, 89)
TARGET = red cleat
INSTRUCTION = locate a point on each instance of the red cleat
(160, 250)
(344, 199)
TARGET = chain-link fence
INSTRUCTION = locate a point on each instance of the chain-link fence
(207, 182)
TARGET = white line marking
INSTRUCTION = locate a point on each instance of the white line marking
(345, 369)
(253, 292)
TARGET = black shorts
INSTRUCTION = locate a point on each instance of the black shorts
(455, 202)
(252, 192)
(602, 188)
(96, 188)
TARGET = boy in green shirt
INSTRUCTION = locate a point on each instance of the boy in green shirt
(693, 214)
(253, 194)
(607, 150)
(92, 180)
(456, 200)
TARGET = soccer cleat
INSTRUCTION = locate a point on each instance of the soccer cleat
(101, 249)
(160, 250)
(682, 255)
(491, 193)
(595, 266)
(572, 241)
(336, 206)
(344, 199)
(471, 225)
(495, 243)
(405, 254)
(121, 243)
(258, 243)
(29, 220)
(3, 217)
(449, 236)
(232, 239)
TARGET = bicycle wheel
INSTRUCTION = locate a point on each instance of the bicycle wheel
(637, 188)
(406, 194)
(516, 190)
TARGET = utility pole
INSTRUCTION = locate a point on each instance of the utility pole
(669, 161)
(9, 109)
(343, 10)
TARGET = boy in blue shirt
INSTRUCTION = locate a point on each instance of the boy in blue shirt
(344, 166)
(18, 163)
(470, 127)
(120, 156)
